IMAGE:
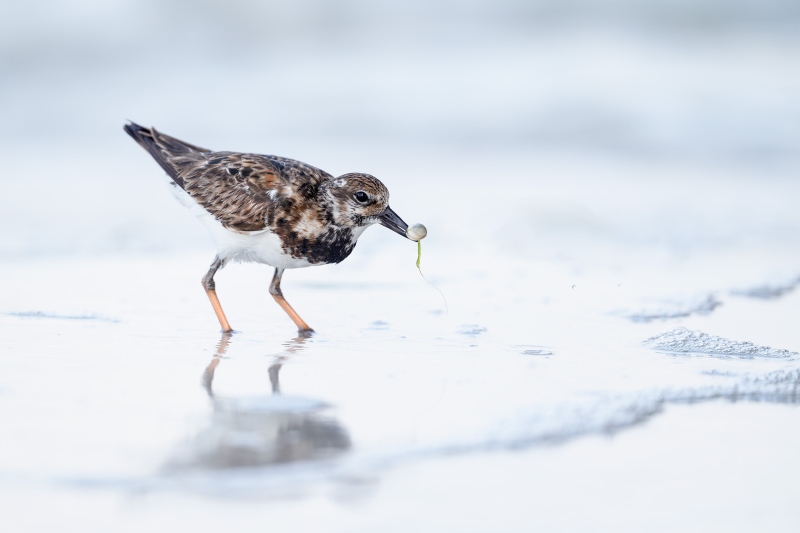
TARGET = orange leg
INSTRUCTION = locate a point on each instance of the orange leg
(210, 287)
(275, 291)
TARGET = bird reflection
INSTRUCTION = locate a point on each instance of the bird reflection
(250, 431)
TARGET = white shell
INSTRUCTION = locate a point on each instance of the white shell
(417, 232)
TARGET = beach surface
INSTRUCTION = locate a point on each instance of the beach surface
(613, 226)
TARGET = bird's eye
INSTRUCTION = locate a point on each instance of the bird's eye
(362, 197)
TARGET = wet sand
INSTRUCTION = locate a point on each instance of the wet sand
(612, 216)
(632, 384)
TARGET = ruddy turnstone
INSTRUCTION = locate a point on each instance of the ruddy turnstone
(268, 209)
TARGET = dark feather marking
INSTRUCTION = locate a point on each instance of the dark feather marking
(251, 192)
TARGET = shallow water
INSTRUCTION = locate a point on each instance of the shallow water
(117, 393)
(612, 216)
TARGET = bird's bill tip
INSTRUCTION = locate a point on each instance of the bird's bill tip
(390, 220)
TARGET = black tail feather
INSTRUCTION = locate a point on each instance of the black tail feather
(170, 153)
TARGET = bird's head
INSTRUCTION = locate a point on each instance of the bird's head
(360, 200)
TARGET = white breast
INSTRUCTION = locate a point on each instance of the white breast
(250, 247)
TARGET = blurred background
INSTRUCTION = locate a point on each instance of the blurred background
(593, 174)
(418, 90)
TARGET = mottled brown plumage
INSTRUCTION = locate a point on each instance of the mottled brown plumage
(270, 209)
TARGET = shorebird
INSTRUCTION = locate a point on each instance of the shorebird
(270, 210)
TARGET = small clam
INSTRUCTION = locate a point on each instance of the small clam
(417, 232)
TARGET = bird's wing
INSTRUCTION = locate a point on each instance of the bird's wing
(243, 191)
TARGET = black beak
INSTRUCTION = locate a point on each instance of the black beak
(390, 219)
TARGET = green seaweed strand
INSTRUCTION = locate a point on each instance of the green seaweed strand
(419, 258)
